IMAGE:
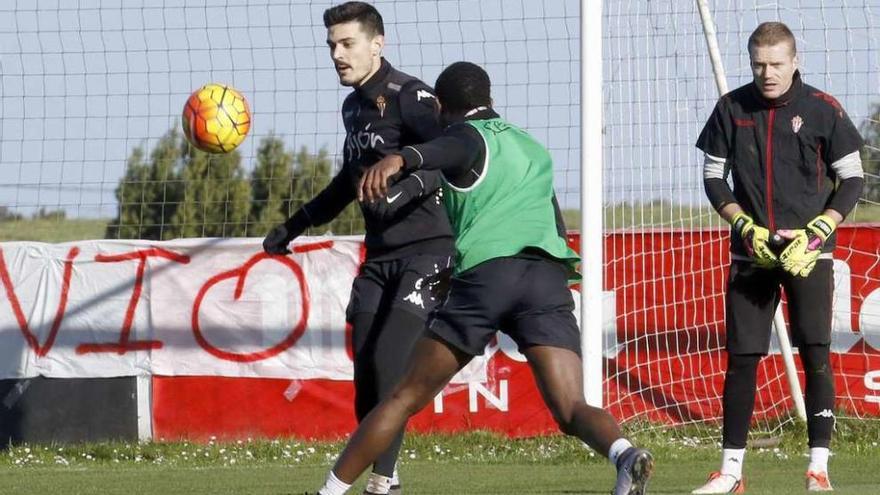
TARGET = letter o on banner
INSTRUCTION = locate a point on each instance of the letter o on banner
(241, 274)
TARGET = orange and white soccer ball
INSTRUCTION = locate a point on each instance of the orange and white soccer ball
(216, 118)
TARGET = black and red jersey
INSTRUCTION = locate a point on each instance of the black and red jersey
(779, 154)
(391, 110)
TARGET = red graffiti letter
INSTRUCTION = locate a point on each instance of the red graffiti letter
(241, 274)
(29, 336)
(124, 345)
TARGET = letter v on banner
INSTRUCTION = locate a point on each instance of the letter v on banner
(40, 349)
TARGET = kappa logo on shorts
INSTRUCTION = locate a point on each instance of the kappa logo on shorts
(415, 298)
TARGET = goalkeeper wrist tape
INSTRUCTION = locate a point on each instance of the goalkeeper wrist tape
(820, 229)
(741, 223)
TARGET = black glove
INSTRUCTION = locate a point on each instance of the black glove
(280, 236)
(276, 240)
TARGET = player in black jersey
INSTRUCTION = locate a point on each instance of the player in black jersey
(408, 237)
(793, 155)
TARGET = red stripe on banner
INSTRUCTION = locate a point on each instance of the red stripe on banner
(199, 408)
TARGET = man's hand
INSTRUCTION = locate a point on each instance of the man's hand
(277, 239)
(756, 240)
(806, 245)
(374, 184)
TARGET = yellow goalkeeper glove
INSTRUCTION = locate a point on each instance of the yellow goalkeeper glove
(756, 240)
(799, 257)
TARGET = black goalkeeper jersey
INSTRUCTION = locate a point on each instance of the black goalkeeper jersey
(390, 111)
(779, 153)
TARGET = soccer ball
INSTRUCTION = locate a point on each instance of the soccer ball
(216, 118)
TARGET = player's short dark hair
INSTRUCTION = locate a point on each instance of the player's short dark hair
(362, 12)
(463, 86)
(772, 33)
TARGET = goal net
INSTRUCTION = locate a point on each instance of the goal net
(666, 249)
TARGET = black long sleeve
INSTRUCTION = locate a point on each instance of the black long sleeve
(846, 195)
(403, 195)
(330, 202)
(458, 151)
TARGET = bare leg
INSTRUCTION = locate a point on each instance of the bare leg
(431, 366)
(559, 375)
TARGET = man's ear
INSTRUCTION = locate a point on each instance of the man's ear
(378, 45)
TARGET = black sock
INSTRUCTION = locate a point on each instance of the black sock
(819, 394)
(739, 398)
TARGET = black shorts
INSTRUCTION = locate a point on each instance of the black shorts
(528, 299)
(752, 296)
(398, 284)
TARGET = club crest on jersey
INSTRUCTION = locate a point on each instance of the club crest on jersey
(380, 104)
(796, 123)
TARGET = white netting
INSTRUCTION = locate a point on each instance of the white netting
(667, 248)
(85, 84)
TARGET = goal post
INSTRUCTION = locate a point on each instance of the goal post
(591, 227)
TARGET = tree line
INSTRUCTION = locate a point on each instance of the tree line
(179, 191)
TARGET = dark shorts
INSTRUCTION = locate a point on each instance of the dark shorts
(752, 296)
(396, 284)
(528, 299)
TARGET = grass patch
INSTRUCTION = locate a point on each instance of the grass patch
(477, 462)
(52, 230)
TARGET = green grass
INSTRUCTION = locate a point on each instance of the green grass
(52, 230)
(764, 476)
(479, 463)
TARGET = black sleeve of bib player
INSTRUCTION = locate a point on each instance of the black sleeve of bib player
(560, 221)
(455, 152)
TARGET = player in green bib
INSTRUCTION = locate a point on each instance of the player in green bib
(510, 207)
(512, 271)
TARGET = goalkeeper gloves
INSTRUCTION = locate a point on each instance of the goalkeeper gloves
(756, 240)
(800, 256)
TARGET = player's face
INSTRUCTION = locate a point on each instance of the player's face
(356, 55)
(773, 67)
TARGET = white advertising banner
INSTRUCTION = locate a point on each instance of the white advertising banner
(183, 307)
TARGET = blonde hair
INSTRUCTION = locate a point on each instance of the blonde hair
(772, 33)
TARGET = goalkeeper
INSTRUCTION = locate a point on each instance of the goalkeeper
(512, 268)
(794, 157)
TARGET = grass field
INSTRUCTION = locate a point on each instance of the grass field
(475, 463)
(52, 230)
